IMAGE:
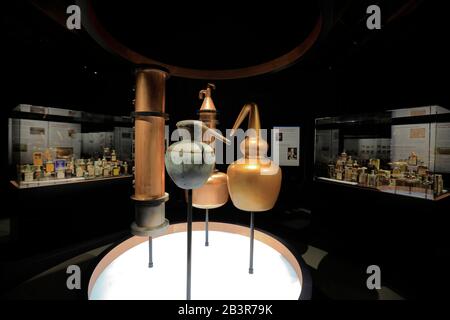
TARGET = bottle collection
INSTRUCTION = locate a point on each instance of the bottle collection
(409, 173)
(47, 167)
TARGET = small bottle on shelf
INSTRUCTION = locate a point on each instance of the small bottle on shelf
(98, 169)
(49, 166)
(28, 173)
(355, 174)
(90, 169)
(106, 170)
(113, 156)
(106, 154)
(116, 170)
(70, 170)
(60, 173)
(83, 165)
(349, 162)
(38, 158)
(362, 179)
(372, 179)
(338, 174)
(348, 174)
(37, 172)
(79, 171)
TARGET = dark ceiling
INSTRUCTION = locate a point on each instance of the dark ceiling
(350, 67)
(208, 37)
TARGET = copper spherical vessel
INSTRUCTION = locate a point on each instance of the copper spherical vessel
(254, 186)
(213, 194)
(254, 181)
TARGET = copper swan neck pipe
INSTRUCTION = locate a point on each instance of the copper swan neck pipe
(199, 125)
(254, 122)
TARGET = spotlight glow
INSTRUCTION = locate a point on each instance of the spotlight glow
(219, 271)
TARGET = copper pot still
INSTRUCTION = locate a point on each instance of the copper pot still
(254, 181)
(214, 193)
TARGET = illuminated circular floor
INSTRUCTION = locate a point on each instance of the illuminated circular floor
(219, 271)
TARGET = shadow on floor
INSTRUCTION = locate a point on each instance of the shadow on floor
(338, 279)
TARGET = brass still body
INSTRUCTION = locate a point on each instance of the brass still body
(214, 193)
(254, 181)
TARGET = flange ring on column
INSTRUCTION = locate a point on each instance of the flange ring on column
(149, 220)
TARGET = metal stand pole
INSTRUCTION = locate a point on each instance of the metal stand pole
(252, 232)
(189, 246)
(150, 252)
(206, 228)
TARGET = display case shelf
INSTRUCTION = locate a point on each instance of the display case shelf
(53, 146)
(402, 191)
(403, 152)
(53, 182)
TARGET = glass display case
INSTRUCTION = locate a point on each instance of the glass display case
(49, 146)
(403, 151)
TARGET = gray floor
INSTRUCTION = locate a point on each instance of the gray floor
(346, 281)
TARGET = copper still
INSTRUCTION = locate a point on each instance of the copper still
(254, 181)
(214, 193)
(150, 195)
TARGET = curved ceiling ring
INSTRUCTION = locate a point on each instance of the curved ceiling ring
(96, 30)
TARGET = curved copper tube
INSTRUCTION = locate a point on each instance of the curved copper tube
(192, 124)
(254, 122)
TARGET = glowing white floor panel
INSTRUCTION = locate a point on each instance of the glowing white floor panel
(219, 271)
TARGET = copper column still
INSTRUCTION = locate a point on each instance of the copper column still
(150, 195)
(253, 181)
(214, 193)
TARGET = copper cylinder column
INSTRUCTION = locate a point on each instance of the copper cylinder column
(150, 195)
